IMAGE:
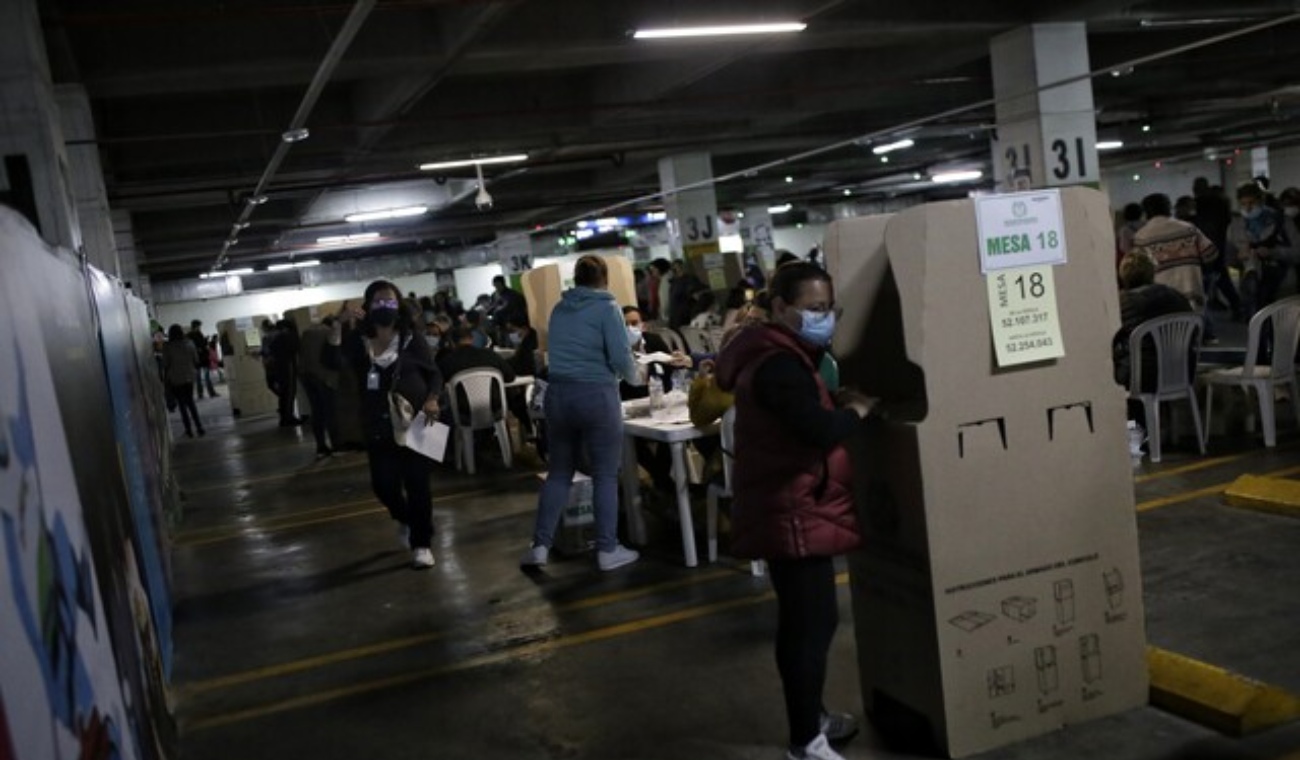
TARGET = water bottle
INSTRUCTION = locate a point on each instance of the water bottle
(679, 381)
(656, 395)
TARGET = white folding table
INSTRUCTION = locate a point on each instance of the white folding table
(675, 430)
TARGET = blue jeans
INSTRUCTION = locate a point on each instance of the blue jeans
(582, 418)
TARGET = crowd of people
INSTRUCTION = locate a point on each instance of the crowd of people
(1194, 255)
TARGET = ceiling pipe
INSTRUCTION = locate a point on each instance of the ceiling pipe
(342, 41)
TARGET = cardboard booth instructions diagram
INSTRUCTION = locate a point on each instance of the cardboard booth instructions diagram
(1023, 609)
(1002, 679)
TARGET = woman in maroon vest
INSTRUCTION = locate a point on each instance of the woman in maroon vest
(792, 483)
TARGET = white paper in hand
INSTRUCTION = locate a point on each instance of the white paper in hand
(428, 440)
(656, 358)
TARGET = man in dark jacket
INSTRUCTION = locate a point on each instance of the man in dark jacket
(683, 286)
(204, 370)
(465, 356)
(284, 356)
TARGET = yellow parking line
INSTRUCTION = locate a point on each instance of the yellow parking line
(369, 650)
(241, 531)
(1193, 467)
(1166, 501)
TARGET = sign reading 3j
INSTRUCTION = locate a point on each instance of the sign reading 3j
(1020, 230)
(1022, 310)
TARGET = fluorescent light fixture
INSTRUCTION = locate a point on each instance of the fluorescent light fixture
(224, 273)
(295, 135)
(609, 221)
(1110, 145)
(360, 237)
(242, 225)
(789, 179)
(884, 159)
(1137, 177)
(306, 264)
(510, 159)
(784, 27)
(279, 267)
(782, 209)
(388, 213)
(257, 200)
(881, 150)
(949, 178)
(1146, 127)
(848, 191)
(656, 216)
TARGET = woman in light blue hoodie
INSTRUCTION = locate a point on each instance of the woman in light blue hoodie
(588, 353)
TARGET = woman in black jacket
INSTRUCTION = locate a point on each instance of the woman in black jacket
(392, 356)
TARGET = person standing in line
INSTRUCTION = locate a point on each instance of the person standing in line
(588, 353)
(180, 369)
(1214, 217)
(285, 355)
(793, 490)
(1179, 250)
(386, 349)
(321, 382)
(201, 351)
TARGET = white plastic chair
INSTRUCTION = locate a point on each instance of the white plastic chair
(480, 387)
(1177, 340)
(723, 490)
(1264, 380)
(697, 340)
(670, 336)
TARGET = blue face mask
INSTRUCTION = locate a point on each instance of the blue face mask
(634, 336)
(515, 339)
(817, 327)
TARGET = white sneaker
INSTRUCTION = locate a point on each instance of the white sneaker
(423, 558)
(620, 556)
(404, 535)
(838, 727)
(536, 556)
(817, 749)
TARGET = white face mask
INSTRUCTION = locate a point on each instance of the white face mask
(634, 336)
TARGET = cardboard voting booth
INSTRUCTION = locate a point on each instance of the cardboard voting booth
(998, 596)
(245, 376)
(543, 287)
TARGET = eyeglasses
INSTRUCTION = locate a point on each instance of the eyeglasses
(838, 311)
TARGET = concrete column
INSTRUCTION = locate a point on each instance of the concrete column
(693, 214)
(87, 179)
(34, 168)
(1047, 138)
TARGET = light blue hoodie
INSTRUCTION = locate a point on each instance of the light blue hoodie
(586, 341)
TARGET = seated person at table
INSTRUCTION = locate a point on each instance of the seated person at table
(523, 339)
(1141, 299)
(474, 320)
(464, 357)
(648, 343)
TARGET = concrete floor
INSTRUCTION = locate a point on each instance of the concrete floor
(302, 632)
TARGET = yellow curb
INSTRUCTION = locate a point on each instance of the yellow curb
(1216, 698)
(1273, 495)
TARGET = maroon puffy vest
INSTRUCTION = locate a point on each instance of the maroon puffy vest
(792, 499)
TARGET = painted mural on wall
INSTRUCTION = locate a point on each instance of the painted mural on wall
(139, 469)
(81, 668)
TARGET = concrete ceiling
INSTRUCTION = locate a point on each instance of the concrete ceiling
(190, 99)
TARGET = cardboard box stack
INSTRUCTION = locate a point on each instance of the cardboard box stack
(998, 596)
